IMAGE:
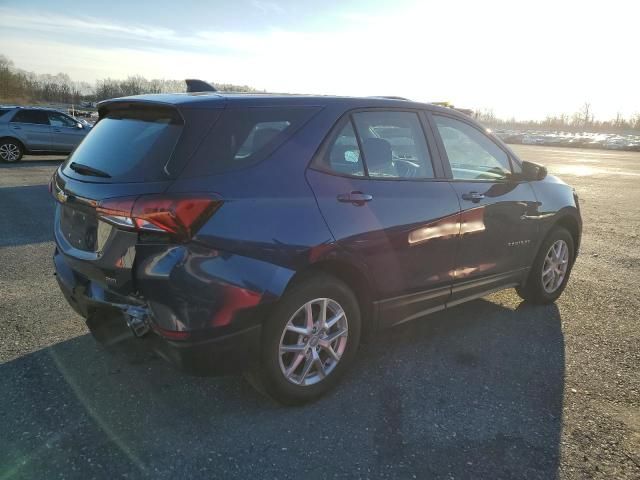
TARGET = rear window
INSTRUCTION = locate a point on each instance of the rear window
(129, 145)
(4, 111)
(38, 117)
(245, 136)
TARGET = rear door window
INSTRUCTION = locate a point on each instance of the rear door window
(129, 145)
(38, 117)
(385, 144)
(393, 144)
(344, 154)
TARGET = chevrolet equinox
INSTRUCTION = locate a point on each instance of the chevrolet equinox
(271, 233)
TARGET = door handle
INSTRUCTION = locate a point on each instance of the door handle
(16, 128)
(357, 198)
(57, 130)
(474, 197)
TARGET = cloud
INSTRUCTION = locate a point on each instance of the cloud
(268, 7)
(473, 56)
(11, 19)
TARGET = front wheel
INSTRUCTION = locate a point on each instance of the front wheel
(11, 151)
(551, 268)
(309, 341)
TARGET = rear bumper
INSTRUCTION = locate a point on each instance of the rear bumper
(224, 354)
(200, 351)
(230, 353)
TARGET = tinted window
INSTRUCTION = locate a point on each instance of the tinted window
(261, 134)
(59, 120)
(472, 155)
(131, 144)
(393, 144)
(244, 136)
(343, 156)
(4, 111)
(31, 116)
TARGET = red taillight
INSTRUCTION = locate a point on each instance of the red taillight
(181, 216)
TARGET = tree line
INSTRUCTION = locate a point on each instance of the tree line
(20, 86)
(583, 120)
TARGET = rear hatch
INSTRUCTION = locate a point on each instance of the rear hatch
(111, 189)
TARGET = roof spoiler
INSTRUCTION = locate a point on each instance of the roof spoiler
(195, 85)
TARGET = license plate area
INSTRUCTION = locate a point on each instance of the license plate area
(80, 227)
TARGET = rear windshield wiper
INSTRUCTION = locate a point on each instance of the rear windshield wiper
(87, 170)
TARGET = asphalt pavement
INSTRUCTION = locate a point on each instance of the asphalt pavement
(492, 389)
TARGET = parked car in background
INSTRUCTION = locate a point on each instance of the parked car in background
(38, 130)
(270, 232)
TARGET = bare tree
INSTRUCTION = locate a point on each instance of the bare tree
(586, 115)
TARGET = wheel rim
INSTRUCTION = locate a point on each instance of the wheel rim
(313, 341)
(9, 152)
(555, 266)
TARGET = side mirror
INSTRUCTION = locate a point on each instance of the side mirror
(79, 126)
(533, 171)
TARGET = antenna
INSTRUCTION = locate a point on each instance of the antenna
(195, 85)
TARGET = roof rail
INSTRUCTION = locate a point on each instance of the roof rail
(195, 85)
(466, 111)
(391, 97)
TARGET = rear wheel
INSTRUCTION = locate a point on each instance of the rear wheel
(11, 151)
(309, 341)
(551, 268)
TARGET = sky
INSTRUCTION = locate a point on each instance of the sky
(525, 59)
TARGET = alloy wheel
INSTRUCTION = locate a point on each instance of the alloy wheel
(9, 152)
(313, 341)
(555, 266)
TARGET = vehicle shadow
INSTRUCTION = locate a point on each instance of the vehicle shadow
(475, 392)
(34, 224)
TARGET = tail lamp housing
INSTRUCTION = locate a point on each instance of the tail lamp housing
(179, 216)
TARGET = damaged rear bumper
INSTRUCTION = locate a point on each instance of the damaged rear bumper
(191, 308)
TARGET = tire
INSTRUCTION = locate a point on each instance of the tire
(269, 374)
(538, 291)
(11, 151)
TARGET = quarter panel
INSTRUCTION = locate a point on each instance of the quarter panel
(191, 287)
(269, 211)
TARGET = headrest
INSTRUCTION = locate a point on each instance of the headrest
(377, 153)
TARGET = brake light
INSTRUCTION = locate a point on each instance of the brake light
(178, 215)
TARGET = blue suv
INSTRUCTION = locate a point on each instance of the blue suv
(35, 130)
(271, 233)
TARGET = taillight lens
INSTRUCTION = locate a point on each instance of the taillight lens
(180, 216)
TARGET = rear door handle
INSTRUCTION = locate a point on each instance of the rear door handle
(474, 197)
(357, 198)
(16, 127)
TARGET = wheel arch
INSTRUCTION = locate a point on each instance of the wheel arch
(16, 139)
(571, 224)
(354, 278)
